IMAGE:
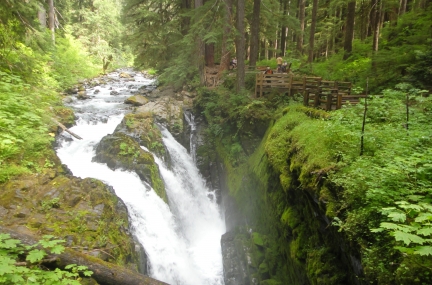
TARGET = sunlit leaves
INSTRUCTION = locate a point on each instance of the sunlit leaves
(14, 271)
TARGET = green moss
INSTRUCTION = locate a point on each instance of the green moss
(330, 202)
(257, 239)
(290, 217)
(121, 151)
(66, 115)
(157, 183)
(142, 125)
(270, 282)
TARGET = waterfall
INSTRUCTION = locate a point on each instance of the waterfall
(182, 239)
(190, 119)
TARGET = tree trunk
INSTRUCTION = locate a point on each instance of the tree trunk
(225, 57)
(185, 20)
(302, 4)
(283, 29)
(42, 16)
(312, 31)
(402, 7)
(255, 25)
(51, 17)
(209, 55)
(240, 43)
(349, 30)
(103, 272)
(200, 51)
(377, 24)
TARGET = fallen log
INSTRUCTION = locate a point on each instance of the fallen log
(104, 273)
(66, 129)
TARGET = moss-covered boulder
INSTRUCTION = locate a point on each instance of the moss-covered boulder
(120, 151)
(167, 109)
(137, 100)
(83, 212)
(142, 127)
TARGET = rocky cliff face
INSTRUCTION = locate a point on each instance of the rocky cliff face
(277, 231)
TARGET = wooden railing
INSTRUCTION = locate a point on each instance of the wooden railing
(328, 95)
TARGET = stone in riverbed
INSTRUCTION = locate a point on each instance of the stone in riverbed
(82, 95)
(125, 75)
(136, 100)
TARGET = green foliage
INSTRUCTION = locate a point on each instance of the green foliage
(420, 72)
(71, 62)
(23, 264)
(99, 29)
(128, 150)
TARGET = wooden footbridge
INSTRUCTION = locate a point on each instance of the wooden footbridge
(328, 95)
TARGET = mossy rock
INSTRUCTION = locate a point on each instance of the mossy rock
(136, 100)
(120, 151)
(143, 128)
(84, 212)
(65, 115)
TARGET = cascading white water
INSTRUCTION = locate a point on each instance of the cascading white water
(190, 119)
(182, 240)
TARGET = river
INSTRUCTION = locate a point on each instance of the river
(182, 239)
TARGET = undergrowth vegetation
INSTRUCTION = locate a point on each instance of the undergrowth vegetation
(32, 73)
(21, 264)
(404, 55)
(379, 201)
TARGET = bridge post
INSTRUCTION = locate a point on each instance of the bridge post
(306, 98)
(339, 101)
(329, 101)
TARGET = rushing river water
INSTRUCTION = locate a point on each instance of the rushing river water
(182, 239)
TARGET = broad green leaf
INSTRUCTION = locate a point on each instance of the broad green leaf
(405, 249)
(397, 216)
(57, 249)
(69, 266)
(408, 238)
(423, 217)
(9, 243)
(423, 250)
(35, 255)
(426, 231)
(389, 226)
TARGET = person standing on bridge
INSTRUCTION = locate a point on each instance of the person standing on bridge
(279, 64)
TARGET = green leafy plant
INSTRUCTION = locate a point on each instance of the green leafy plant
(23, 264)
(48, 204)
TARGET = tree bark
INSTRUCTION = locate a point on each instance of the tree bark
(402, 7)
(209, 55)
(377, 25)
(301, 16)
(255, 25)
(240, 43)
(283, 29)
(312, 31)
(51, 19)
(103, 272)
(225, 56)
(349, 31)
(42, 16)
